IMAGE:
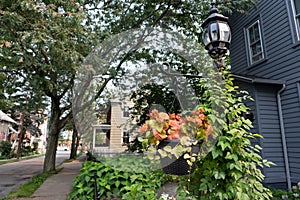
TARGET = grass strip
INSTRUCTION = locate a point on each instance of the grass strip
(71, 160)
(2, 162)
(27, 189)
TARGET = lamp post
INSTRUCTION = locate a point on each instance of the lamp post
(216, 35)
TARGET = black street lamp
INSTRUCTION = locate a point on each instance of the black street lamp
(216, 34)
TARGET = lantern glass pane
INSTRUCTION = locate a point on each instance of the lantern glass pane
(222, 44)
(224, 32)
(214, 31)
(205, 37)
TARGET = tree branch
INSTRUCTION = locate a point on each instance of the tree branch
(63, 121)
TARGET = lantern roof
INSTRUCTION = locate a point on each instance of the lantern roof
(214, 16)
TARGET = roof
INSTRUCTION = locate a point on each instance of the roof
(5, 117)
(102, 126)
(13, 130)
(252, 79)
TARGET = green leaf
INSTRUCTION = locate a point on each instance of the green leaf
(117, 183)
(87, 179)
(168, 149)
(186, 156)
(219, 175)
(162, 153)
(216, 153)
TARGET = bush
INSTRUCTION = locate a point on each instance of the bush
(25, 151)
(232, 170)
(282, 194)
(117, 178)
(35, 147)
(89, 156)
(5, 149)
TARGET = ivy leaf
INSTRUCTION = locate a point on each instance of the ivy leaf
(168, 149)
(162, 153)
(186, 156)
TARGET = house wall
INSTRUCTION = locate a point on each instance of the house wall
(266, 122)
(282, 62)
(118, 125)
(4, 130)
(269, 127)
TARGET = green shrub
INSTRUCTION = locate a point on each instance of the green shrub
(283, 194)
(35, 147)
(26, 151)
(5, 149)
(120, 176)
(232, 169)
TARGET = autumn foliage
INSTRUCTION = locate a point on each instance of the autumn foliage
(163, 126)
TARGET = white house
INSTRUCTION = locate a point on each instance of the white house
(6, 129)
(112, 136)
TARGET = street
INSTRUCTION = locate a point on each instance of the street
(12, 175)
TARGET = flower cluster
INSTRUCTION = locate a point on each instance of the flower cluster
(163, 126)
(294, 194)
(296, 190)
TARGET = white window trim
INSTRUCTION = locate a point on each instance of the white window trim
(249, 46)
(298, 90)
(296, 25)
(122, 136)
(123, 111)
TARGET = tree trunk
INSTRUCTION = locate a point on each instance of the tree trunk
(77, 141)
(74, 143)
(20, 137)
(50, 157)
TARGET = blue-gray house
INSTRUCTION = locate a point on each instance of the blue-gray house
(265, 56)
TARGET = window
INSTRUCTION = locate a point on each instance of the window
(298, 88)
(297, 14)
(125, 137)
(102, 138)
(126, 111)
(255, 46)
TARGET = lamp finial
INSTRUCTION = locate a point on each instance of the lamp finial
(213, 8)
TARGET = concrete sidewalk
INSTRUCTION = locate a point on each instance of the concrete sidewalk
(58, 186)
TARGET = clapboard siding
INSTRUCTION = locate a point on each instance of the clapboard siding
(293, 120)
(295, 171)
(296, 155)
(282, 62)
(287, 70)
(294, 144)
(250, 104)
(275, 37)
(267, 124)
(270, 130)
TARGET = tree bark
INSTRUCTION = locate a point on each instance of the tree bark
(74, 145)
(78, 141)
(20, 136)
(50, 157)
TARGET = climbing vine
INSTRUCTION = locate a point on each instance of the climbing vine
(232, 170)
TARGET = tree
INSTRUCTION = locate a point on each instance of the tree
(230, 170)
(47, 42)
(115, 17)
(185, 16)
(43, 42)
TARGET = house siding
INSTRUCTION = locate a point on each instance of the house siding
(270, 130)
(282, 62)
(4, 130)
(117, 123)
(266, 122)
